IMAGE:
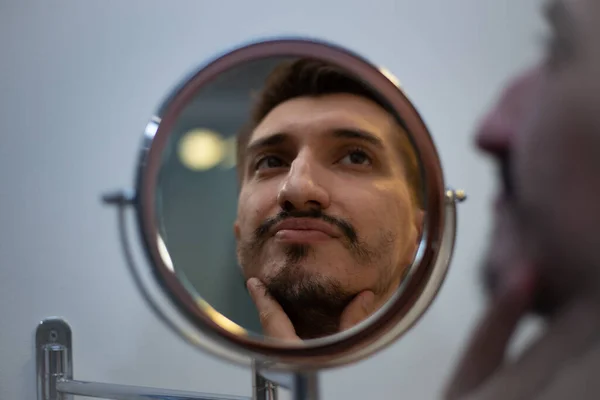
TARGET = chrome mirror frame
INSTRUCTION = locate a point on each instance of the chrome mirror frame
(175, 306)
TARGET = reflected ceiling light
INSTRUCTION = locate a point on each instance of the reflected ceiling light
(201, 149)
(387, 73)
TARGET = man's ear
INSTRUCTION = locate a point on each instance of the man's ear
(236, 230)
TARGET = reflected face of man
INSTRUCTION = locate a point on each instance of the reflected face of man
(545, 132)
(325, 210)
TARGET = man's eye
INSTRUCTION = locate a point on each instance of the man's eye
(269, 162)
(357, 157)
(558, 50)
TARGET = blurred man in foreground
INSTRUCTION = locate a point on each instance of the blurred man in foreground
(545, 251)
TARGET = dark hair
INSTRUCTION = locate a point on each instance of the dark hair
(312, 78)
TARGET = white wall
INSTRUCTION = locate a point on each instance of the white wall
(79, 80)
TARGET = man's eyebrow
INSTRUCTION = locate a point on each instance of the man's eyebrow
(340, 133)
(558, 15)
(353, 133)
(269, 141)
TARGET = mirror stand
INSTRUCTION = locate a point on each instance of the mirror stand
(55, 381)
(302, 385)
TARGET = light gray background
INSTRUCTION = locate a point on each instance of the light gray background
(80, 79)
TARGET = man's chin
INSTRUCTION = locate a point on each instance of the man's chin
(313, 302)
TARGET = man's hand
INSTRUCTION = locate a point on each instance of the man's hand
(561, 364)
(486, 350)
(276, 323)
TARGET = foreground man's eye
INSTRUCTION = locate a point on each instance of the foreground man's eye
(563, 38)
(356, 157)
(559, 51)
(269, 162)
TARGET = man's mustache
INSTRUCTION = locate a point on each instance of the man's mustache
(347, 229)
(506, 174)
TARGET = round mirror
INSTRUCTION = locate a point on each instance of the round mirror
(293, 207)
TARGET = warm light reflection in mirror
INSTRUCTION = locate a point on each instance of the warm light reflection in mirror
(213, 314)
(220, 319)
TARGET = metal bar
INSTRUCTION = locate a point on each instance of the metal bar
(54, 357)
(306, 386)
(262, 388)
(125, 392)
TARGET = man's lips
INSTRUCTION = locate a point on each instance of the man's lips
(499, 201)
(305, 229)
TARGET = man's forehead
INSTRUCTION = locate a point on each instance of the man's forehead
(315, 117)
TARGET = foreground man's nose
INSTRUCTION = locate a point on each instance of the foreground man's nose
(499, 128)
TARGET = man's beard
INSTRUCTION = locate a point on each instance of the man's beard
(313, 302)
(514, 227)
(546, 299)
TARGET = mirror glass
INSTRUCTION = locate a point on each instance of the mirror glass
(295, 172)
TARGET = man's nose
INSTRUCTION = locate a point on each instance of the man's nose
(499, 128)
(302, 189)
(496, 132)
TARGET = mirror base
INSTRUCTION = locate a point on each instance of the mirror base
(54, 358)
(302, 385)
(55, 374)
